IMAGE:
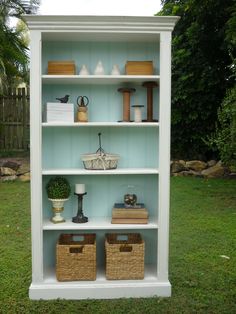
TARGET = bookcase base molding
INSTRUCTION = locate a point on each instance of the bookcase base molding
(99, 290)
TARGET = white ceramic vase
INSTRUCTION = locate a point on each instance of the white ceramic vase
(115, 70)
(99, 70)
(84, 70)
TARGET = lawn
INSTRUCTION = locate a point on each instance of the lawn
(202, 254)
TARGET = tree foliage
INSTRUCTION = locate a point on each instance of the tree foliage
(202, 64)
(13, 48)
(224, 138)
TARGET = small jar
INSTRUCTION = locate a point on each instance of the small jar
(82, 114)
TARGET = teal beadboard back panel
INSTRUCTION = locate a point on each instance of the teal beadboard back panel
(105, 102)
(138, 147)
(50, 239)
(62, 147)
(110, 53)
(103, 192)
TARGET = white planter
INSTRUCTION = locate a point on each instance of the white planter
(57, 208)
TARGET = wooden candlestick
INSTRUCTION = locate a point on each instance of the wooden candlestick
(80, 218)
(150, 86)
(126, 102)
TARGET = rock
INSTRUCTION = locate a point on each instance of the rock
(8, 178)
(211, 163)
(25, 177)
(24, 168)
(232, 175)
(196, 165)
(177, 166)
(216, 171)
(188, 173)
(182, 162)
(11, 164)
(4, 171)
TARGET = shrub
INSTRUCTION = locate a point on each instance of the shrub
(224, 138)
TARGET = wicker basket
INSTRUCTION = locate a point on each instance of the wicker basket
(76, 257)
(124, 256)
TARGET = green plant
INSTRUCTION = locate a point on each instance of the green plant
(224, 138)
(58, 188)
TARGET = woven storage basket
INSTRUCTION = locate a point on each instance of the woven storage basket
(124, 256)
(76, 257)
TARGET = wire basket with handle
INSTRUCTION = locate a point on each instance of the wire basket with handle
(100, 160)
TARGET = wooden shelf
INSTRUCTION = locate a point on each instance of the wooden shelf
(97, 224)
(149, 276)
(118, 171)
(101, 124)
(98, 79)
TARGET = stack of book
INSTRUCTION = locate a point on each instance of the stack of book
(60, 112)
(129, 215)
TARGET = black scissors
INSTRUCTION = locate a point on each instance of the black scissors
(82, 101)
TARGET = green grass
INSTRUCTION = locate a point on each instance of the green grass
(202, 228)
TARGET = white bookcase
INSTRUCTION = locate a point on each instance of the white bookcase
(144, 147)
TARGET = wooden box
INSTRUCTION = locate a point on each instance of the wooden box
(124, 256)
(139, 68)
(76, 257)
(61, 68)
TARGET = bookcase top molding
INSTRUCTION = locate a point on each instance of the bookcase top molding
(148, 24)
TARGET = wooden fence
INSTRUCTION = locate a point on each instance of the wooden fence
(14, 120)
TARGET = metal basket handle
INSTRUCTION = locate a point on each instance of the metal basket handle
(100, 150)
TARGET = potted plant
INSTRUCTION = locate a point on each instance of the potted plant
(58, 191)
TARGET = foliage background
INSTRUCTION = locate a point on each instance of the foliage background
(202, 71)
(14, 57)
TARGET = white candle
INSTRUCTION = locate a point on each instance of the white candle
(80, 188)
(137, 113)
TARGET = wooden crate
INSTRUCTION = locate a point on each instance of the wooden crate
(124, 256)
(61, 68)
(139, 68)
(76, 257)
